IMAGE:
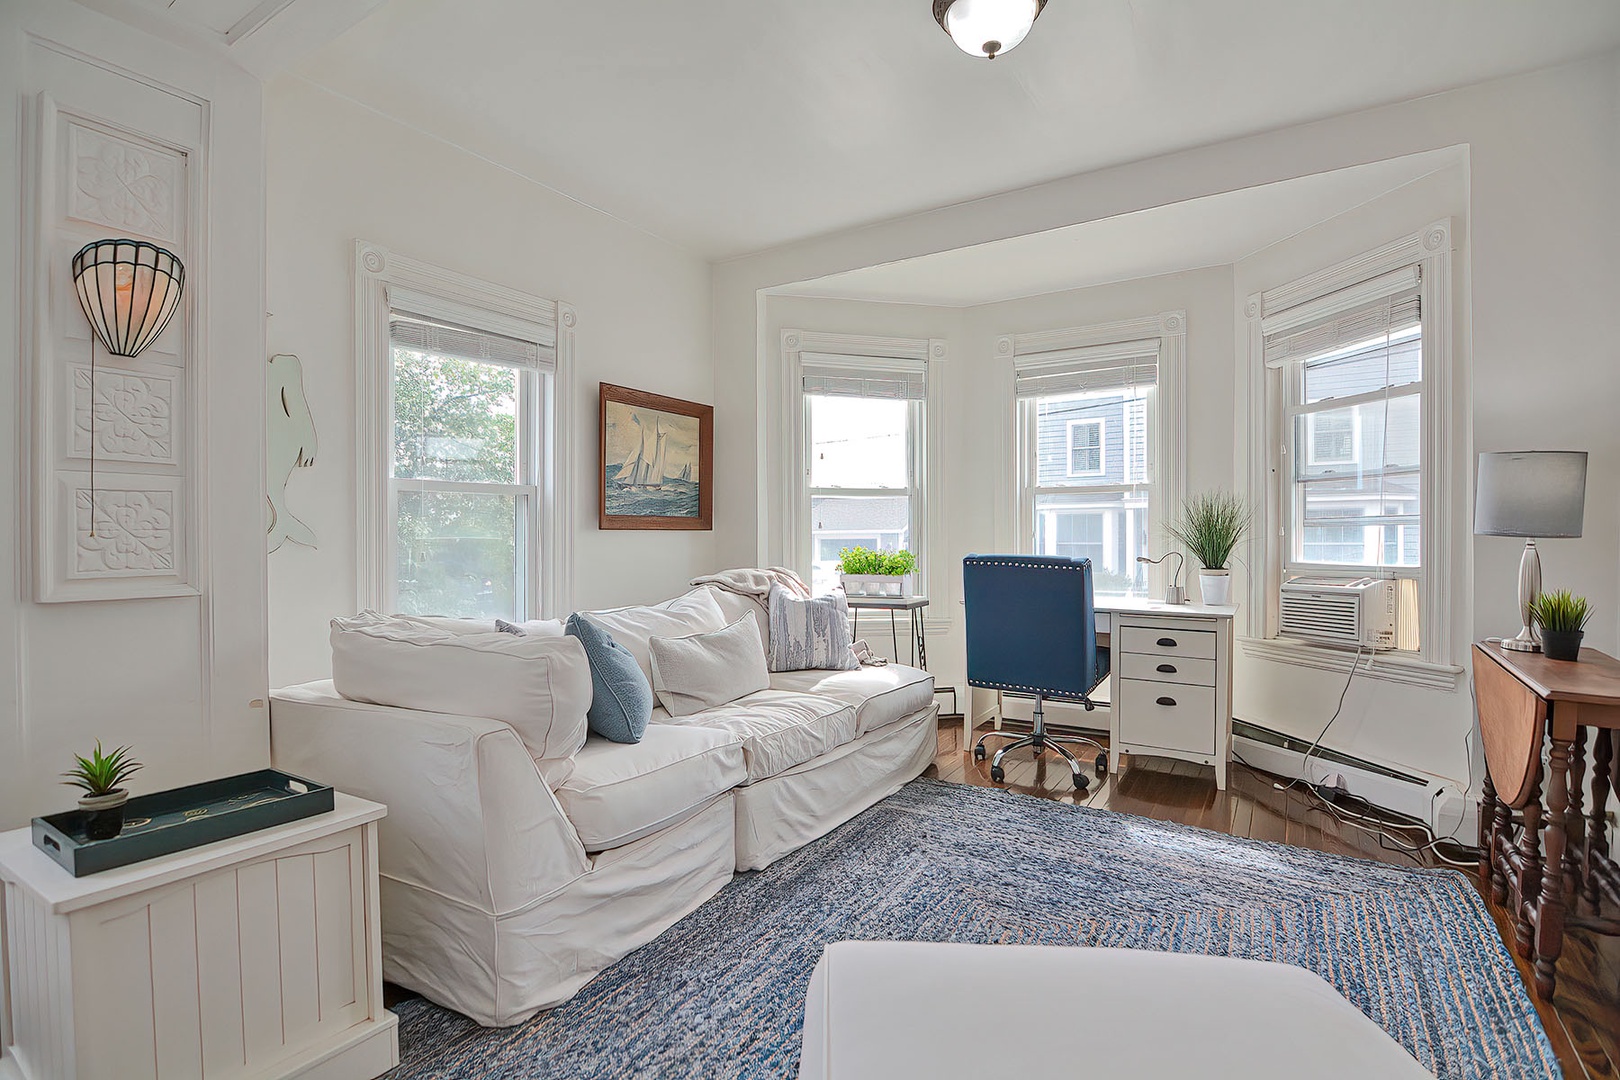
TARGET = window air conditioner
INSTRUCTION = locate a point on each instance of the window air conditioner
(1339, 612)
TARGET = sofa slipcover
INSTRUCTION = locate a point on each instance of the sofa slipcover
(540, 686)
(778, 729)
(695, 612)
(620, 792)
(882, 695)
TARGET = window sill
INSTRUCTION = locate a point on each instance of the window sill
(1385, 666)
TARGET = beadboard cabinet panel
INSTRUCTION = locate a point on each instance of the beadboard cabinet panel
(263, 967)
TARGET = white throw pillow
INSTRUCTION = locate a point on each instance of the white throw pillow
(540, 685)
(633, 627)
(701, 671)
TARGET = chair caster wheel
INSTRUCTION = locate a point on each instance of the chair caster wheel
(1080, 782)
(978, 753)
(997, 774)
(1102, 764)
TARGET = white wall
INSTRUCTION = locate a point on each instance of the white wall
(182, 679)
(339, 172)
(1541, 363)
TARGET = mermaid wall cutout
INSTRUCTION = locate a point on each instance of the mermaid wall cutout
(290, 430)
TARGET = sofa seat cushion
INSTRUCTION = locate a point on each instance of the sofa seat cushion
(778, 729)
(621, 792)
(881, 695)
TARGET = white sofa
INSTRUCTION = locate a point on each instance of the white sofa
(508, 884)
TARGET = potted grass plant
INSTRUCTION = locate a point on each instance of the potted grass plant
(888, 574)
(1209, 528)
(102, 776)
(1561, 618)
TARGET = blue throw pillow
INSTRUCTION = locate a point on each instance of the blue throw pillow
(621, 696)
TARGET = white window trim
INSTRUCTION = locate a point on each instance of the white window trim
(1167, 432)
(383, 280)
(1101, 424)
(927, 463)
(1430, 250)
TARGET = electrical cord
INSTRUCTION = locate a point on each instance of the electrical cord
(1375, 826)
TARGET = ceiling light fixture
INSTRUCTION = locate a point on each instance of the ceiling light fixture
(987, 28)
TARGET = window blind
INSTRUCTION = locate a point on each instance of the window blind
(1366, 321)
(1127, 366)
(865, 377)
(446, 339)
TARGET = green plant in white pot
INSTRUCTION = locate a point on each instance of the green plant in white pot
(887, 574)
(1210, 527)
(101, 777)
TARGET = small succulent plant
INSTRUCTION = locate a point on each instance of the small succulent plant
(101, 773)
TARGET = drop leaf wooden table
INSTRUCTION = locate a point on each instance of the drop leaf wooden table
(1537, 862)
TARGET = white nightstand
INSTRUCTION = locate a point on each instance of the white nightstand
(258, 957)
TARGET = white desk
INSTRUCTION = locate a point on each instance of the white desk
(1184, 712)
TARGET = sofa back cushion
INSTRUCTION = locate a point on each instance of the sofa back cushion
(633, 627)
(621, 696)
(700, 671)
(538, 684)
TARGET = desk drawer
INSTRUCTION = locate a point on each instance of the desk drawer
(1168, 669)
(1196, 644)
(1166, 715)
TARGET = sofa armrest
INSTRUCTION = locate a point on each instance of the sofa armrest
(469, 816)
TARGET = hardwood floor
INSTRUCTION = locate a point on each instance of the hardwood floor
(1583, 1020)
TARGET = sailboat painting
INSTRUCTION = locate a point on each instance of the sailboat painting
(657, 465)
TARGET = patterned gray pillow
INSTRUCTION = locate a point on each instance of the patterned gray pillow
(810, 634)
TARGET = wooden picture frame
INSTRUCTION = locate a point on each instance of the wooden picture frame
(669, 445)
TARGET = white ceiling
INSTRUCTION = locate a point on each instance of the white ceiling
(731, 126)
(1216, 230)
(264, 36)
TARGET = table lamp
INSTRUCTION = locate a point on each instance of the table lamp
(1530, 493)
(1173, 592)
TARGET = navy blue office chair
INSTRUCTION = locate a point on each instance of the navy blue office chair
(1032, 630)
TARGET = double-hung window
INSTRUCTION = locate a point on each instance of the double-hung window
(1352, 459)
(465, 468)
(1087, 461)
(863, 425)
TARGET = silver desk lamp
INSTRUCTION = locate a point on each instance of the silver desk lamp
(1173, 592)
(1531, 493)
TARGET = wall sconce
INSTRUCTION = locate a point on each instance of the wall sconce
(128, 290)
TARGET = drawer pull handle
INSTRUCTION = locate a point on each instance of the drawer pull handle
(1168, 669)
(1167, 643)
(1167, 701)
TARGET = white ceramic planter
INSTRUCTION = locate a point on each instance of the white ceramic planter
(1215, 586)
(880, 586)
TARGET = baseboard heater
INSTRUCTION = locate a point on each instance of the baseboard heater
(1439, 803)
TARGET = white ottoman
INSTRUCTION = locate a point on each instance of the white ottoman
(881, 1009)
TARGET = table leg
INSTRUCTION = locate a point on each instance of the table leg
(1574, 838)
(922, 640)
(1528, 886)
(1501, 838)
(1597, 828)
(1550, 908)
(1487, 833)
(894, 638)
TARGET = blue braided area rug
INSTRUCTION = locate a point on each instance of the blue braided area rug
(720, 995)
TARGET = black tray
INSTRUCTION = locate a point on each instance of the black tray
(185, 817)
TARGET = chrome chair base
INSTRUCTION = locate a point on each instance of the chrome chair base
(1042, 739)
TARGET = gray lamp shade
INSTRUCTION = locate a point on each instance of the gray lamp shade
(1533, 493)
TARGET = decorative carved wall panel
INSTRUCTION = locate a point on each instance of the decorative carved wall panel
(134, 531)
